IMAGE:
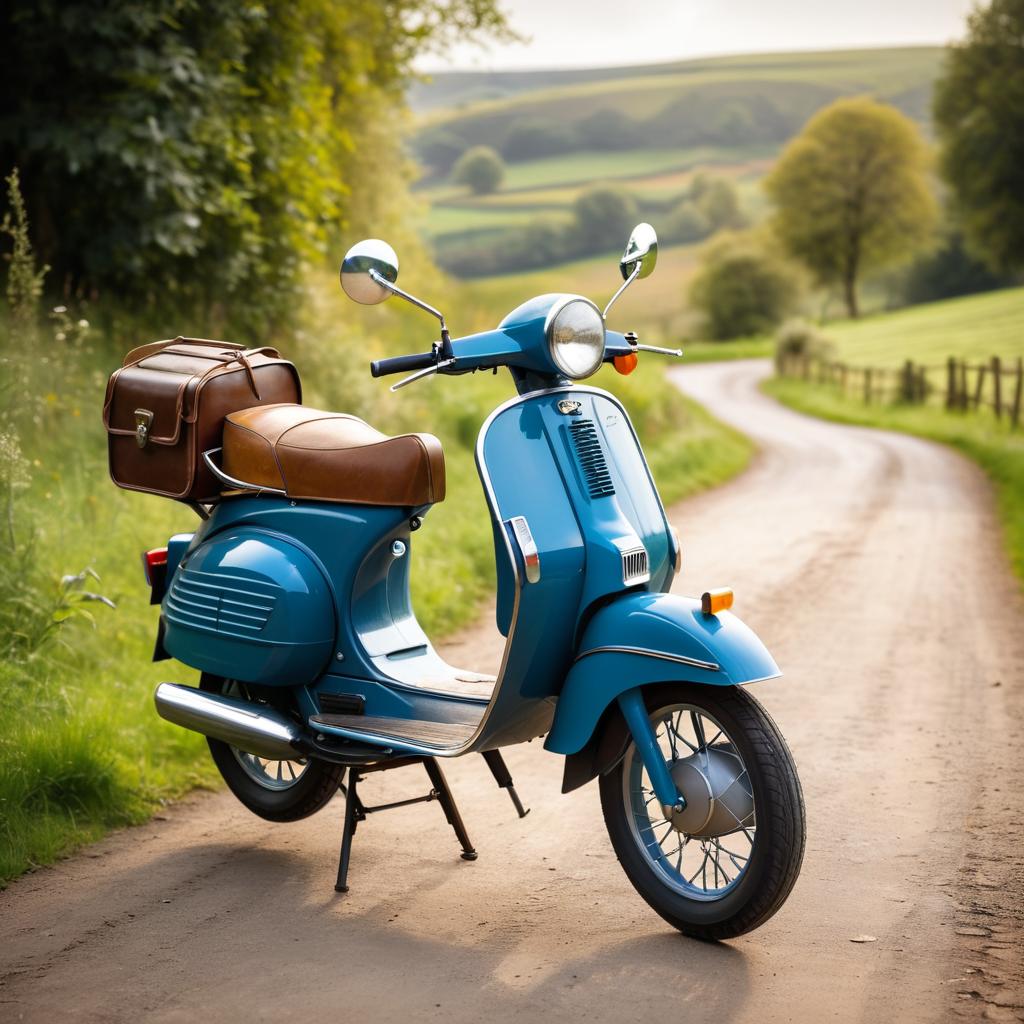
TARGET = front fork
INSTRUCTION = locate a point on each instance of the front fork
(634, 710)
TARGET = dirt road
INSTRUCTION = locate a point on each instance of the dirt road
(870, 564)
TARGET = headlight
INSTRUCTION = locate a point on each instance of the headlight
(576, 338)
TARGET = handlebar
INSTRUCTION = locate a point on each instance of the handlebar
(402, 364)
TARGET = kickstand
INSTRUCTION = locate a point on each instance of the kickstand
(356, 811)
(503, 777)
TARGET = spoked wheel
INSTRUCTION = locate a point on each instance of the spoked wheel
(275, 790)
(726, 863)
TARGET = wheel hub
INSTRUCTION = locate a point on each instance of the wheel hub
(717, 791)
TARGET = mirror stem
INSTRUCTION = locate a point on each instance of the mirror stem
(395, 290)
(625, 284)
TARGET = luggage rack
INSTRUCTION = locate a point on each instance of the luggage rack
(356, 811)
(240, 485)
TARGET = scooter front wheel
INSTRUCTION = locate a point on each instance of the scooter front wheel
(726, 863)
(274, 790)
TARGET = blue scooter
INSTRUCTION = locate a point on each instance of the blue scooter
(292, 598)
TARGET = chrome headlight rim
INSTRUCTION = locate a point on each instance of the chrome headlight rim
(549, 323)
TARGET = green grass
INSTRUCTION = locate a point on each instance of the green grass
(718, 351)
(997, 449)
(81, 748)
(974, 327)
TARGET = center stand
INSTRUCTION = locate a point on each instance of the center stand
(356, 811)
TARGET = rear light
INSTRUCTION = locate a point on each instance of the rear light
(152, 563)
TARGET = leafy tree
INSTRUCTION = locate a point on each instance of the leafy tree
(851, 193)
(198, 154)
(536, 137)
(979, 116)
(481, 169)
(742, 289)
(440, 148)
(718, 202)
(604, 217)
(949, 271)
(609, 128)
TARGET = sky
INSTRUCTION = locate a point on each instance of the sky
(589, 33)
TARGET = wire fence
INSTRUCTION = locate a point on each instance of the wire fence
(958, 384)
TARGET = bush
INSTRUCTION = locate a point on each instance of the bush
(481, 169)
(741, 289)
(797, 340)
(686, 223)
(604, 215)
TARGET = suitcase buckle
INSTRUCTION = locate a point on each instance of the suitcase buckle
(143, 421)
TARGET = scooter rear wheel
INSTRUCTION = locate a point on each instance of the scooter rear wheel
(274, 790)
(727, 863)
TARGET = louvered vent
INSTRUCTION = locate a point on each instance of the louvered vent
(635, 568)
(591, 458)
(220, 603)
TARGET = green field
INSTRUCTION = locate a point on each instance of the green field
(896, 74)
(974, 327)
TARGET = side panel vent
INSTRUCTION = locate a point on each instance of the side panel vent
(635, 568)
(591, 458)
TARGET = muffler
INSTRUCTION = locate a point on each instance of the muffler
(254, 728)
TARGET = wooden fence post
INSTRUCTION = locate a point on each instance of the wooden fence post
(1017, 392)
(951, 399)
(867, 385)
(979, 387)
(907, 382)
(997, 385)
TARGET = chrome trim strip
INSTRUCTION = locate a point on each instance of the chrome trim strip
(527, 547)
(680, 659)
(231, 481)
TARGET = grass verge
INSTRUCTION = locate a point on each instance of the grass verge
(997, 449)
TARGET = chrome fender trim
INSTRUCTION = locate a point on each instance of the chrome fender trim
(679, 659)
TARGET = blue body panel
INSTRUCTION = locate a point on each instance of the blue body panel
(530, 468)
(715, 649)
(251, 606)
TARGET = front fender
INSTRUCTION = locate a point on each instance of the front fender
(643, 638)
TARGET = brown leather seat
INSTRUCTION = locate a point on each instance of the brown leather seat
(327, 456)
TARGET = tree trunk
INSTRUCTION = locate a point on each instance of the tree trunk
(850, 294)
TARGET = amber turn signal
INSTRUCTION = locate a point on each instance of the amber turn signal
(715, 601)
(626, 364)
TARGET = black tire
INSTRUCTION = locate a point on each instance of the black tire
(777, 851)
(314, 788)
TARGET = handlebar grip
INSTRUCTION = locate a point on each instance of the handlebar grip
(401, 364)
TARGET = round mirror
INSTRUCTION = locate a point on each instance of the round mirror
(371, 254)
(641, 248)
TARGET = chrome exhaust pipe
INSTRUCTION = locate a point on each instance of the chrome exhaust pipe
(254, 728)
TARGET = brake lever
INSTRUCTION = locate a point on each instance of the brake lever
(413, 377)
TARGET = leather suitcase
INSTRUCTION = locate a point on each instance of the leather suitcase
(166, 406)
